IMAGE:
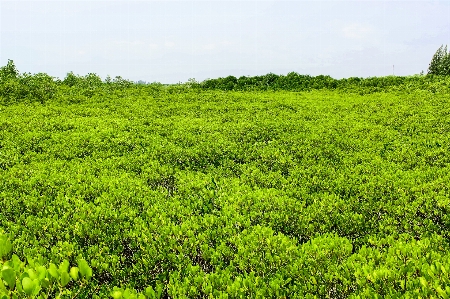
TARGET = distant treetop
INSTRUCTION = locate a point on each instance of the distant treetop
(440, 63)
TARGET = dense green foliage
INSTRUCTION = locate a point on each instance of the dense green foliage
(296, 82)
(440, 63)
(16, 87)
(32, 279)
(180, 192)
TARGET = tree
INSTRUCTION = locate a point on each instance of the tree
(440, 63)
(9, 71)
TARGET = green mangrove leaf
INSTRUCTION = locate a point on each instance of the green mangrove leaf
(32, 274)
(65, 278)
(42, 272)
(28, 285)
(85, 270)
(126, 294)
(64, 266)
(9, 275)
(45, 283)
(117, 294)
(74, 273)
(2, 287)
(53, 271)
(5, 246)
(149, 292)
(16, 262)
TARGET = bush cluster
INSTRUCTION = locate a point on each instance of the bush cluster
(26, 87)
(16, 87)
(296, 82)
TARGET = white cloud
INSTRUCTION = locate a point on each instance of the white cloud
(356, 31)
(209, 47)
(169, 44)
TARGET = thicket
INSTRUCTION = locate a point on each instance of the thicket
(297, 82)
(16, 87)
(26, 87)
(179, 192)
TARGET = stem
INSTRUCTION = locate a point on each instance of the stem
(50, 287)
(406, 275)
(81, 286)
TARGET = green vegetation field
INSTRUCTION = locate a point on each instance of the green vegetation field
(183, 192)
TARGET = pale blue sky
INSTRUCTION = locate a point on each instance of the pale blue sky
(172, 41)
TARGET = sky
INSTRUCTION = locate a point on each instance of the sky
(173, 41)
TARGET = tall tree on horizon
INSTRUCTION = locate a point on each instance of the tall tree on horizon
(9, 71)
(440, 63)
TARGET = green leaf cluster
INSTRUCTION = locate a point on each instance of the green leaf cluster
(34, 279)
